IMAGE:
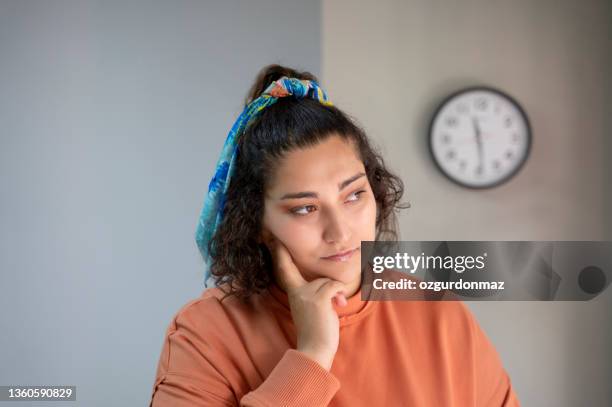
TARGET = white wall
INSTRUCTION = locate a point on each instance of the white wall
(389, 63)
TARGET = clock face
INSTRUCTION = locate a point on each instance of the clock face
(479, 137)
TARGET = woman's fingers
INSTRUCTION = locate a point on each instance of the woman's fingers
(341, 300)
(333, 289)
(292, 280)
(316, 322)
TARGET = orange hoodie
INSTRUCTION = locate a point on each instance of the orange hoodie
(222, 352)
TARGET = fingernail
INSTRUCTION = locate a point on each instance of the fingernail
(341, 300)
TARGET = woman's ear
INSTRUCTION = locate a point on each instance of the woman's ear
(264, 236)
(267, 238)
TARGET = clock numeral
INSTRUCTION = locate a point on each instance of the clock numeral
(509, 154)
(508, 121)
(450, 154)
(451, 121)
(496, 165)
(462, 165)
(515, 138)
(446, 139)
(481, 104)
(462, 108)
(479, 170)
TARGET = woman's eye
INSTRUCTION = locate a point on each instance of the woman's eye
(298, 211)
(303, 210)
(357, 194)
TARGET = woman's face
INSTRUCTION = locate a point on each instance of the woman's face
(320, 203)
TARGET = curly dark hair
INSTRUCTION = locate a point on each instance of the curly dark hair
(239, 258)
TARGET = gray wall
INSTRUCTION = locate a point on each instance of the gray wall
(113, 114)
(555, 57)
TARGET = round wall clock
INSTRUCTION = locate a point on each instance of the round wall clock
(479, 137)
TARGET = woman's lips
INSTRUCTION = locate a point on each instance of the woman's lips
(341, 257)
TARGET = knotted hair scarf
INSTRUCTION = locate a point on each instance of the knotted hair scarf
(212, 211)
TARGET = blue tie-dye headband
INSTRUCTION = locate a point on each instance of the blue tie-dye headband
(214, 201)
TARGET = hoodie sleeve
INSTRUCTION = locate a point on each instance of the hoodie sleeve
(296, 380)
(193, 372)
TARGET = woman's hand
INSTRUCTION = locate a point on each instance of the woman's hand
(316, 321)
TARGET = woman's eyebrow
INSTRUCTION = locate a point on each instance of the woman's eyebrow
(310, 194)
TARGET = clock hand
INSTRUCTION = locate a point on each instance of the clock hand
(478, 143)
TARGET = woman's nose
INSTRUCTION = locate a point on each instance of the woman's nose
(337, 229)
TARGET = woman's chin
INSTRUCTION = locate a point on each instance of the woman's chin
(346, 274)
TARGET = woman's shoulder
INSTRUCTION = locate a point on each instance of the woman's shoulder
(201, 345)
(213, 311)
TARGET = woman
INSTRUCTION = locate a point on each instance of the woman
(297, 189)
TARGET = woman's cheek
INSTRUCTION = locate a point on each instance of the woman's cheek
(304, 239)
(296, 236)
(367, 210)
(367, 220)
